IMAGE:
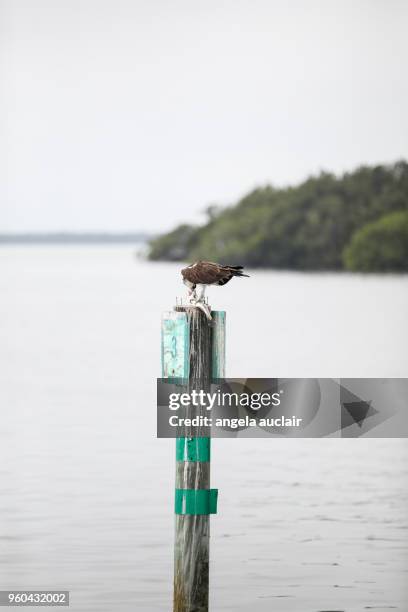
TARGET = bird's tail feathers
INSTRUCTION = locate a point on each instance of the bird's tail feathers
(236, 270)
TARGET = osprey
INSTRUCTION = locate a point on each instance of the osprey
(203, 273)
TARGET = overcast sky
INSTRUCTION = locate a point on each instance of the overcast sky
(131, 114)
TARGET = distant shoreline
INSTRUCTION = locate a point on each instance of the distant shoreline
(74, 238)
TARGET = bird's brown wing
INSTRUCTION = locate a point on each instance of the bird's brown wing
(207, 273)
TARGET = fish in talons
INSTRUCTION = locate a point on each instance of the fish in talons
(200, 274)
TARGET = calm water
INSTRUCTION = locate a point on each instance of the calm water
(87, 490)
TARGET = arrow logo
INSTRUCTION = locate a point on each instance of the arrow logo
(356, 412)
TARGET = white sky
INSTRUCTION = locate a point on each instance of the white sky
(130, 114)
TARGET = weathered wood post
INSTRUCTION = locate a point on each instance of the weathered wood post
(194, 351)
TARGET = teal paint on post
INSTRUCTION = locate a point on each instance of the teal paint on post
(175, 345)
(196, 501)
(193, 449)
(218, 344)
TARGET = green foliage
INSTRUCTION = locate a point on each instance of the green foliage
(305, 227)
(174, 246)
(381, 245)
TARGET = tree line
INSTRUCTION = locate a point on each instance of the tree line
(357, 221)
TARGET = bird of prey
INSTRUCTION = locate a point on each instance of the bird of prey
(200, 274)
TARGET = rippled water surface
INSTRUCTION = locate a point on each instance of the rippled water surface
(87, 489)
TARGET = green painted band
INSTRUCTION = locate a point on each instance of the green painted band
(193, 449)
(196, 501)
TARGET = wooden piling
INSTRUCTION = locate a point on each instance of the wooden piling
(194, 351)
